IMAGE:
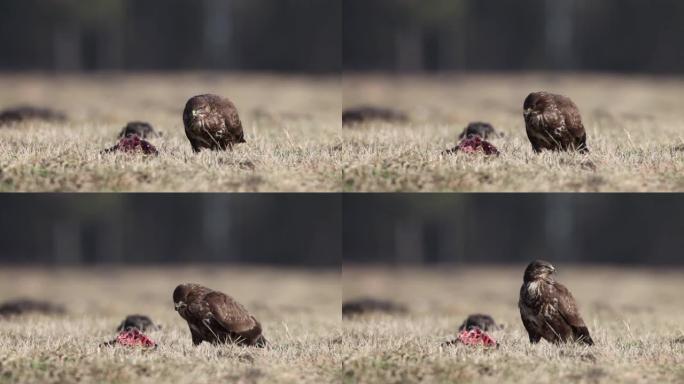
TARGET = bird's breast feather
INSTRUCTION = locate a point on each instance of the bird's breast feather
(533, 289)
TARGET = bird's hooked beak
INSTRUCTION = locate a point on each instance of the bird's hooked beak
(180, 305)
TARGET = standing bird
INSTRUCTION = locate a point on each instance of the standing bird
(215, 317)
(548, 309)
(212, 122)
(553, 122)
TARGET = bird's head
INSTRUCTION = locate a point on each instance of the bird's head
(197, 108)
(530, 104)
(180, 296)
(539, 270)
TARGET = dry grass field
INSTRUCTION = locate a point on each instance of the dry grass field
(634, 315)
(634, 126)
(299, 310)
(292, 128)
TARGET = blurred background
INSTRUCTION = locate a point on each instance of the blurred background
(88, 35)
(465, 35)
(293, 230)
(513, 228)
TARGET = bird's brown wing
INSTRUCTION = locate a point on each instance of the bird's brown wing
(232, 120)
(231, 115)
(544, 133)
(229, 313)
(573, 120)
(567, 308)
(553, 117)
(571, 116)
(573, 123)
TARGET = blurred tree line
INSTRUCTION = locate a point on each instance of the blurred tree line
(74, 35)
(135, 229)
(432, 35)
(507, 228)
(326, 230)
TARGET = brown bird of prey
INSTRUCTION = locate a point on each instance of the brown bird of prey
(553, 122)
(215, 317)
(212, 122)
(548, 309)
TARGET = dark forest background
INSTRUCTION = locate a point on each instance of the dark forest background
(508, 228)
(298, 229)
(258, 35)
(325, 230)
(578, 35)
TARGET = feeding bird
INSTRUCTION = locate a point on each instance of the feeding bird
(553, 122)
(212, 122)
(215, 317)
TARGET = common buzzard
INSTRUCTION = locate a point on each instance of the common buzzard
(553, 122)
(212, 122)
(215, 317)
(548, 309)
